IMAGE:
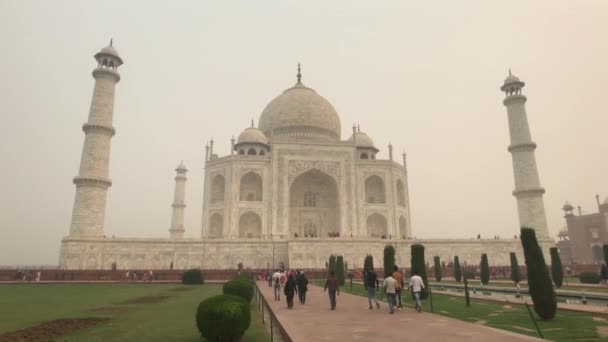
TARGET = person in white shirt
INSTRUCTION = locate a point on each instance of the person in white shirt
(416, 285)
(276, 281)
(390, 286)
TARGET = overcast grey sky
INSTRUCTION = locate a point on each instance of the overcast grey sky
(423, 75)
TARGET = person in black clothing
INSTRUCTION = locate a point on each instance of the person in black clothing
(331, 284)
(371, 282)
(604, 274)
(302, 287)
(290, 289)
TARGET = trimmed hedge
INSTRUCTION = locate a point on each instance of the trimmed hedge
(340, 269)
(223, 318)
(389, 260)
(193, 277)
(239, 287)
(515, 274)
(437, 262)
(589, 278)
(457, 269)
(557, 271)
(485, 270)
(418, 264)
(539, 283)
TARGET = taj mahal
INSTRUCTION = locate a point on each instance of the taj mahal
(292, 191)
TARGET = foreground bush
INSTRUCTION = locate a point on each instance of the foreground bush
(419, 265)
(239, 287)
(192, 277)
(589, 278)
(539, 283)
(389, 260)
(223, 318)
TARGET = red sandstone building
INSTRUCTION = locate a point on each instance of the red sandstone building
(585, 235)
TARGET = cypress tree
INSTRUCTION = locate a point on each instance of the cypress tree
(515, 275)
(557, 271)
(485, 269)
(539, 283)
(332, 264)
(368, 263)
(437, 268)
(605, 249)
(340, 269)
(389, 260)
(418, 265)
(457, 269)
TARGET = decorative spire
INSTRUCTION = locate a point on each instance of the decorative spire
(111, 40)
(252, 122)
(354, 128)
(358, 128)
(510, 72)
(299, 73)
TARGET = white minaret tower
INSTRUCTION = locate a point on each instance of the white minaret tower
(92, 182)
(528, 191)
(179, 203)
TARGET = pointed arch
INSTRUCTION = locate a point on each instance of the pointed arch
(251, 187)
(374, 190)
(377, 226)
(218, 189)
(314, 205)
(402, 227)
(216, 226)
(251, 152)
(400, 193)
(250, 225)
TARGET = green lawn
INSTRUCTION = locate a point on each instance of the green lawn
(170, 319)
(524, 287)
(567, 326)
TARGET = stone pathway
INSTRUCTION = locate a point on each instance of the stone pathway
(352, 321)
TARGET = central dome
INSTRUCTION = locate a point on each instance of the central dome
(300, 113)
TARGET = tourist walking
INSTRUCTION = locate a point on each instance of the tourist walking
(302, 283)
(390, 287)
(276, 280)
(371, 282)
(417, 285)
(604, 274)
(331, 286)
(399, 278)
(290, 289)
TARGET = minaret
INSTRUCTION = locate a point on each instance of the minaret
(92, 182)
(179, 203)
(528, 191)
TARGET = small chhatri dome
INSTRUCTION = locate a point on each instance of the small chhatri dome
(181, 167)
(109, 51)
(568, 206)
(511, 79)
(252, 135)
(563, 232)
(301, 113)
(362, 139)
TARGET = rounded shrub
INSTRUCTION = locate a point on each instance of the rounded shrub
(239, 287)
(193, 277)
(223, 318)
(589, 278)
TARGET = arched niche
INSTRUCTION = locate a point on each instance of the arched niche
(377, 226)
(400, 193)
(402, 227)
(374, 190)
(218, 189)
(314, 205)
(251, 187)
(216, 226)
(250, 225)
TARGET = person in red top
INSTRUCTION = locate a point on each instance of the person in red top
(399, 278)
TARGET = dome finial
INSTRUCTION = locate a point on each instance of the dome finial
(252, 122)
(111, 41)
(358, 128)
(299, 74)
(510, 72)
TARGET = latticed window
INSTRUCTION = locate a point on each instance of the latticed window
(310, 199)
(310, 229)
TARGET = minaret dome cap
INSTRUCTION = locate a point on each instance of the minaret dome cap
(181, 167)
(109, 51)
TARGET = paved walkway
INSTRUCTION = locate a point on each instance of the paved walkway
(352, 321)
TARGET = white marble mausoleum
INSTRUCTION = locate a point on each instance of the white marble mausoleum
(292, 191)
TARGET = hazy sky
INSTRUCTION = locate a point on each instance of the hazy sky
(423, 75)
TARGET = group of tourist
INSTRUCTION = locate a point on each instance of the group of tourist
(292, 283)
(295, 283)
(134, 276)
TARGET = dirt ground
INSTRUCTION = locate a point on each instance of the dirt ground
(146, 300)
(48, 331)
